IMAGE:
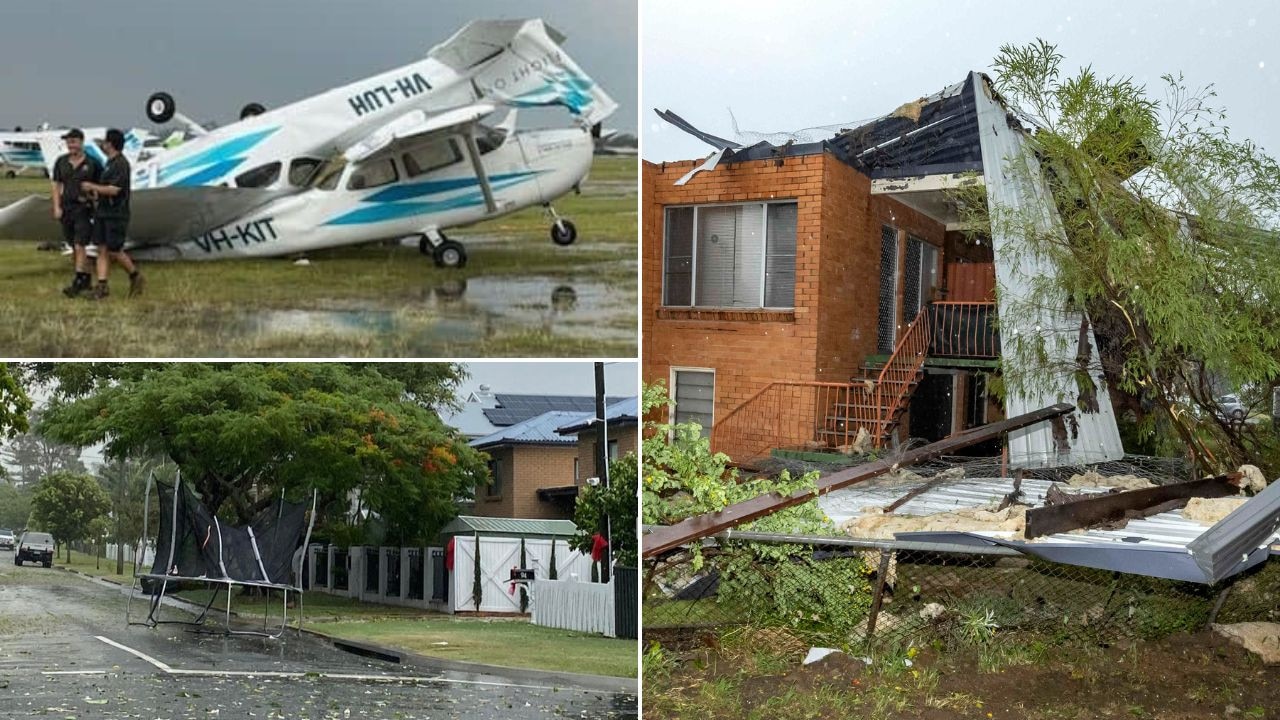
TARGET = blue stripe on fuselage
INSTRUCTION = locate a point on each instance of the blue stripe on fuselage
(385, 207)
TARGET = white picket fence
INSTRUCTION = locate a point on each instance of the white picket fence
(570, 605)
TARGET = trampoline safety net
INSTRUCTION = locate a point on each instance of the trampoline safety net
(204, 548)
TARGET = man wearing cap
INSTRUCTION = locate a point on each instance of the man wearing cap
(72, 205)
(111, 221)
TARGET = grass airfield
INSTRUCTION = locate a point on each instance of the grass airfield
(519, 295)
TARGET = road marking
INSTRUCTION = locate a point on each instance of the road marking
(136, 653)
(318, 675)
(75, 672)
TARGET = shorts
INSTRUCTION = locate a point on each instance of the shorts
(110, 232)
(77, 226)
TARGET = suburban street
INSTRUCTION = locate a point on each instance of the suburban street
(66, 652)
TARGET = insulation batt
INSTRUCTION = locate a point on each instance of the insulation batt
(1093, 479)
(874, 523)
(1208, 511)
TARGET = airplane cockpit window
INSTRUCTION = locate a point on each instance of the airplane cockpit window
(373, 174)
(489, 139)
(432, 156)
(302, 169)
(259, 177)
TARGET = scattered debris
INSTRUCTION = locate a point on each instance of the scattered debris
(932, 611)
(861, 444)
(1252, 480)
(817, 653)
(1093, 479)
(1209, 511)
(1114, 510)
(1260, 638)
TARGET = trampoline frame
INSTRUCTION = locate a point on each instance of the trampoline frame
(217, 584)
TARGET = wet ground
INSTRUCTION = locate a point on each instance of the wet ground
(66, 652)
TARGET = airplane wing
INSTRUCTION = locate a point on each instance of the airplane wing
(158, 216)
(414, 126)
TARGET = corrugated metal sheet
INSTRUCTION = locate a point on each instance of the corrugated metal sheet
(513, 527)
(1095, 435)
(624, 410)
(1164, 545)
(540, 430)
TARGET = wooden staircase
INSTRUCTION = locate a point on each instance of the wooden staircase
(888, 390)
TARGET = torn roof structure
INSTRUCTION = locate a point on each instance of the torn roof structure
(966, 134)
(1165, 545)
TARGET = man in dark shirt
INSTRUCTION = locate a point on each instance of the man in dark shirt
(111, 221)
(72, 205)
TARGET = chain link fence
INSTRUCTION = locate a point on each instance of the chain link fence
(846, 593)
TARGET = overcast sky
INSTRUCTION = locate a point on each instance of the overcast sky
(552, 378)
(786, 66)
(79, 63)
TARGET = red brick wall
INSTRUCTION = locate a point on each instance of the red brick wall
(833, 325)
(626, 435)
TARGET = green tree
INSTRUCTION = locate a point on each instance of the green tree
(1167, 244)
(14, 404)
(242, 433)
(66, 504)
(618, 504)
(33, 456)
(15, 506)
(125, 482)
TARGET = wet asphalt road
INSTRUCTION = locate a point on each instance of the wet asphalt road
(56, 661)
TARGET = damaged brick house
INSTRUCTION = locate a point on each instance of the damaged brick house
(809, 292)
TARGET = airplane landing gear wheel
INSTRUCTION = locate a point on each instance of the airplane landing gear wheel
(10, 174)
(160, 108)
(449, 254)
(563, 233)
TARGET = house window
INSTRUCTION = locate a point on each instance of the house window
(920, 276)
(613, 450)
(577, 470)
(495, 472)
(694, 395)
(740, 255)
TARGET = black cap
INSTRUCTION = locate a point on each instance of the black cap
(115, 138)
(73, 133)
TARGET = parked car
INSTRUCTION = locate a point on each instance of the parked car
(1230, 408)
(7, 541)
(35, 547)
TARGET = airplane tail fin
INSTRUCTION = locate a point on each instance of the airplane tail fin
(51, 147)
(520, 63)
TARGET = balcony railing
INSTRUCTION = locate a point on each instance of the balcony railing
(964, 330)
(795, 415)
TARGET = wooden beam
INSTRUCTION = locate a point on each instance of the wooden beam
(1111, 507)
(669, 537)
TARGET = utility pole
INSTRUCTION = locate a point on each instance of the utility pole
(602, 466)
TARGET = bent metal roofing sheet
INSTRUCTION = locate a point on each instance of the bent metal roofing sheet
(1165, 545)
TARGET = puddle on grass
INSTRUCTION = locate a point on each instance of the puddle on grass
(471, 310)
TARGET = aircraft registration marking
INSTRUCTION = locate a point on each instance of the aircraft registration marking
(380, 96)
(227, 236)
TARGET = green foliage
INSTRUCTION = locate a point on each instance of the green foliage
(66, 504)
(15, 506)
(32, 456)
(618, 503)
(825, 600)
(683, 478)
(14, 404)
(1167, 242)
(243, 432)
(769, 583)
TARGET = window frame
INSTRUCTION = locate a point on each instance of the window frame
(494, 489)
(452, 141)
(671, 393)
(395, 175)
(693, 264)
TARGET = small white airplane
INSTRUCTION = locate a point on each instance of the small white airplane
(403, 154)
(23, 150)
